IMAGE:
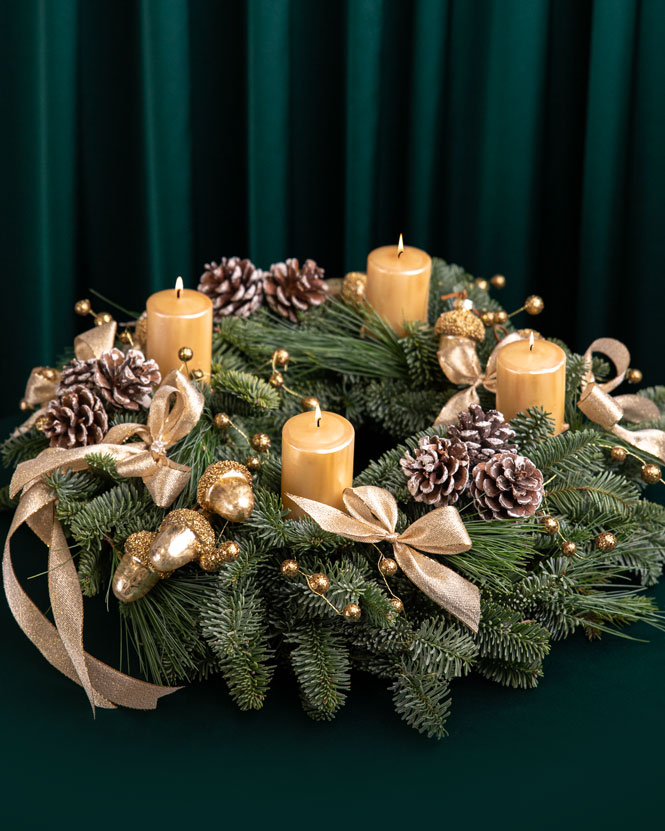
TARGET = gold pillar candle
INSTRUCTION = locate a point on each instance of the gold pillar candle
(398, 284)
(176, 318)
(531, 373)
(317, 458)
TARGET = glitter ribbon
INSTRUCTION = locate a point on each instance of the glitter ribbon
(606, 410)
(372, 518)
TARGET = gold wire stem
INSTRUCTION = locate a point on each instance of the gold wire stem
(633, 455)
(516, 312)
(318, 594)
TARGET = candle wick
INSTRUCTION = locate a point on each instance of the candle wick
(318, 422)
(531, 347)
(399, 253)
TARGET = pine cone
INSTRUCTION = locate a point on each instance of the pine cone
(235, 287)
(507, 486)
(76, 419)
(483, 433)
(439, 472)
(77, 374)
(125, 382)
(290, 289)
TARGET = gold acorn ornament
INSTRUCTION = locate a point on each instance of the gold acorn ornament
(606, 541)
(498, 281)
(135, 575)
(183, 536)
(260, 442)
(354, 287)
(225, 489)
(461, 322)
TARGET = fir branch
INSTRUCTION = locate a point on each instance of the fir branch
(320, 661)
(423, 701)
(20, 447)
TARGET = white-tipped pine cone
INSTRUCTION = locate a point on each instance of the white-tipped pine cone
(484, 433)
(76, 419)
(125, 381)
(438, 472)
(290, 289)
(235, 287)
(507, 486)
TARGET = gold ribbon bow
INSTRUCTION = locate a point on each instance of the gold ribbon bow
(459, 361)
(175, 409)
(606, 410)
(372, 519)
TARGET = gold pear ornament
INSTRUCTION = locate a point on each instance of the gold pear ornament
(225, 489)
(183, 536)
(135, 575)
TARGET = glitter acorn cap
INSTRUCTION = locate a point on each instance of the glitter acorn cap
(225, 489)
(213, 473)
(138, 546)
(195, 522)
(462, 323)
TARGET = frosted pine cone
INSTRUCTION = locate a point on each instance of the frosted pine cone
(290, 289)
(235, 287)
(483, 432)
(439, 472)
(77, 374)
(76, 419)
(507, 486)
(125, 382)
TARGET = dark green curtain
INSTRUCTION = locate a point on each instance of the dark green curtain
(143, 137)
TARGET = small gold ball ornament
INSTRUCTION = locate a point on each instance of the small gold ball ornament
(197, 374)
(501, 317)
(606, 541)
(387, 566)
(634, 376)
(185, 354)
(398, 606)
(318, 583)
(125, 337)
(569, 548)
(24, 406)
(354, 287)
(280, 357)
(488, 318)
(482, 284)
(618, 454)
(289, 568)
(260, 442)
(226, 490)
(550, 524)
(309, 402)
(222, 421)
(651, 474)
(498, 281)
(277, 380)
(103, 318)
(41, 422)
(253, 463)
(229, 551)
(534, 305)
(82, 307)
(352, 611)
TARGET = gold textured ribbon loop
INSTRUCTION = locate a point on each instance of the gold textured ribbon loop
(372, 518)
(92, 343)
(606, 410)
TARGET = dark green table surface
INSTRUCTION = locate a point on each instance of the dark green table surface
(583, 750)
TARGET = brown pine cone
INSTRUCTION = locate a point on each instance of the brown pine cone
(507, 486)
(235, 287)
(125, 382)
(76, 419)
(483, 433)
(290, 289)
(439, 472)
(77, 374)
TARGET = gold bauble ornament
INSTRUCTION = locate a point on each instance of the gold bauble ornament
(125, 336)
(569, 548)
(276, 380)
(606, 541)
(550, 524)
(387, 566)
(501, 317)
(222, 421)
(634, 376)
(102, 318)
(318, 583)
(280, 357)
(253, 463)
(460, 323)
(24, 406)
(534, 305)
(135, 574)
(260, 442)
(354, 287)
(227, 552)
(82, 307)
(225, 489)
(196, 374)
(482, 284)
(309, 402)
(498, 281)
(398, 606)
(651, 474)
(185, 354)
(618, 454)
(488, 317)
(183, 536)
(352, 611)
(289, 568)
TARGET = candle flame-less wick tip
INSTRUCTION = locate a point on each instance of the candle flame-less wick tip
(317, 415)
(179, 285)
(400, 246)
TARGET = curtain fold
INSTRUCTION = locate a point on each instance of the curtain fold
(143, 138)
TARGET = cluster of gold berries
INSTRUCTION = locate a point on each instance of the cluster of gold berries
(650, 473)
(319, 583)
(84, 307)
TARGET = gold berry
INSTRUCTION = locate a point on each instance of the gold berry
(387, 566)
(606, 541)
(280, 357)
(550, 524)
(125, 336)
(352, 611)
(185, 354)
(309, 402)
(222, 421)
(618, 454)
(398, 606)
(569, 548)
(289, 568)
(482, 284)
(102, 318)
(487, 317)
(651, 474)
(197, 374)
(82, 307)
(634, 376)
(498, 281)
(24, 405)
(210, 561)
(318, 583)
(501, 317)
(260, 442)
(48, 374)
(41, 422)
(253, 463)
(534, 305)
(277, 379)
(229, 551)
